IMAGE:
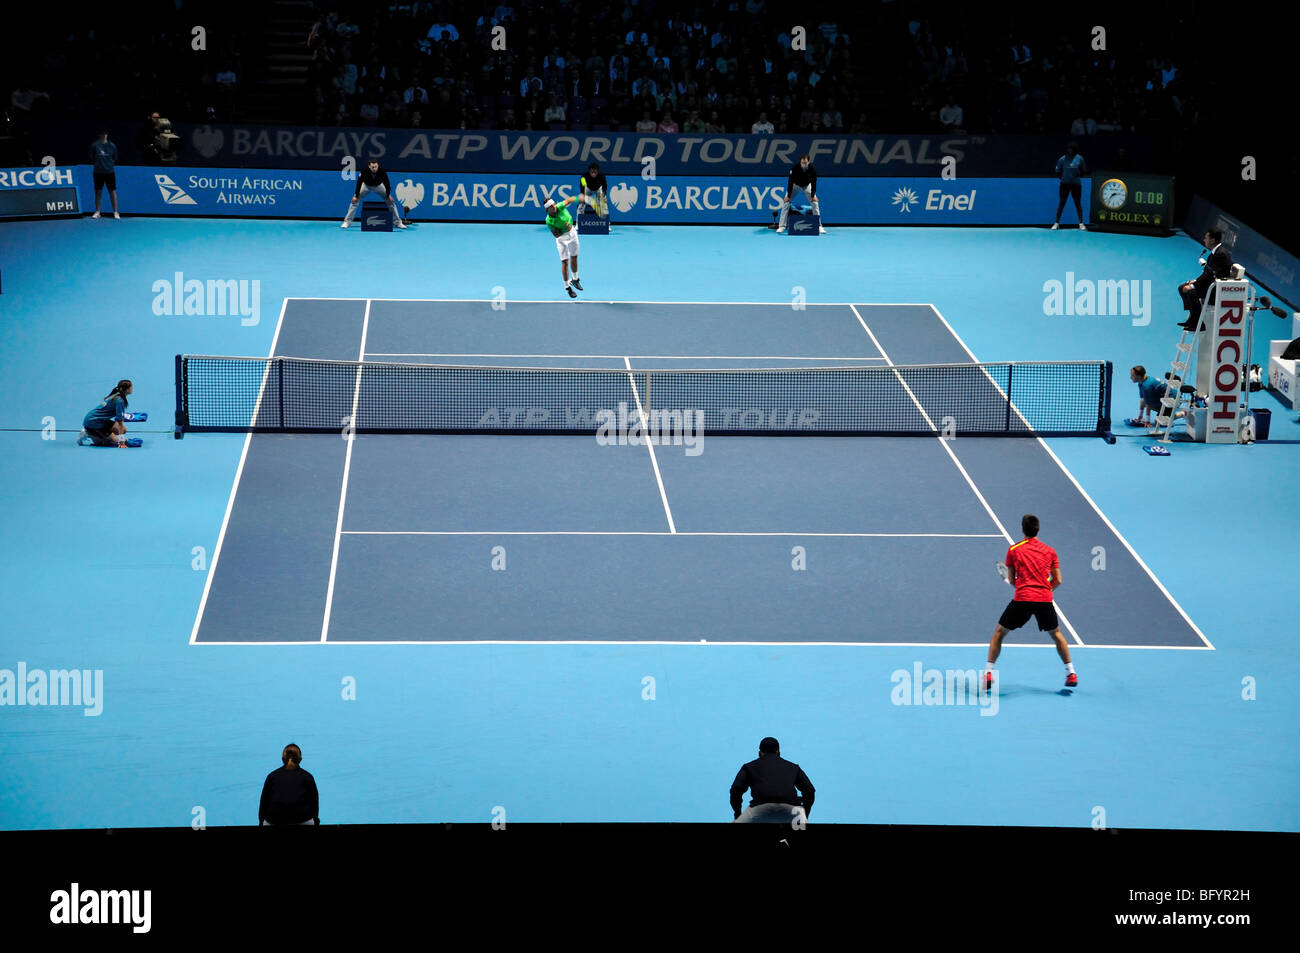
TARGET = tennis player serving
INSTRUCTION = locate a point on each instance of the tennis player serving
(1032, 567)
(560, 222)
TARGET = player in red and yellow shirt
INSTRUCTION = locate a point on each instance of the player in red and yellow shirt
(1035, 572)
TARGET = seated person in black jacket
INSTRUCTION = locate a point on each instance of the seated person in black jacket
(773, 781)
(1218, 265)
(289, 795)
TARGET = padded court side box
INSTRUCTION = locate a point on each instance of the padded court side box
(592, 224)
(800, 224)
(376, 217)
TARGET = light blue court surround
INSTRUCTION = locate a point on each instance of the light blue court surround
(98, 548)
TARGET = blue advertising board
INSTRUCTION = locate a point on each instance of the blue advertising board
(681, 200)
(568, 152)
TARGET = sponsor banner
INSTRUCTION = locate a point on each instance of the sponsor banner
(1227, 350)
(38, 191)
(681, 200)
(1266, 263)
(565, 153)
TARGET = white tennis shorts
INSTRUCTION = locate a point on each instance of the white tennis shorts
(567, 244)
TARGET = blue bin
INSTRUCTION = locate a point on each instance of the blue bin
(1262, 418)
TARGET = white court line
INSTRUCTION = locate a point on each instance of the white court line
(952, 456)
(582, 301)
(234, 488)
(637, 357)
(698, 644)
(343, 493)
(645, 424)
(1095, 507)
(595, 532)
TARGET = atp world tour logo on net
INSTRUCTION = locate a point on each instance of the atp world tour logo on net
(1104, 297)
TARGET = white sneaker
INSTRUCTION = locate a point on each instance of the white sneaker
(1055, 226)
(780, 231)
(116, 216)
(345, 225)
(96, 215)
(1083, 227)
(823, 230)
(401, 224)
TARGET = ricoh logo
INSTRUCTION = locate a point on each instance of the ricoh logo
(216, 296)
(1083, 296)
(932, 687)
(33, 178)
(76, 906)
(71, 688)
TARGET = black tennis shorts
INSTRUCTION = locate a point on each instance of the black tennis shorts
(1072, 189)
(1017, 614)
(106, 178)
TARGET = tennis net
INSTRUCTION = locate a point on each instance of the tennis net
(300, 395)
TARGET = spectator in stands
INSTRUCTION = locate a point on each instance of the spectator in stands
(645, 123)
(781, 792)
(507, 120)
(1070, 168)
(416, 95)
(667, 124)
(368, 111)
(226, 79)
(762, 125)
(289, 795)
(832, 118)
(809, 116)
(394, 111)
(555, 110)
(441, 31)
(694, 123)
(1217, 265)
(714, 125)
(103, 154)
(950, 116)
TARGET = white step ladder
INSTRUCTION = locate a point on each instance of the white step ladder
(1178, 395)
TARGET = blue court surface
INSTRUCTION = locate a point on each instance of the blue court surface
(573, 631)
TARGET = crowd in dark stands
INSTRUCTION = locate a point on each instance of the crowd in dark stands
(735, 66)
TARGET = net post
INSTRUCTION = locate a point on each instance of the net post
(1108, 376)
(181, 421)
(1006, 427)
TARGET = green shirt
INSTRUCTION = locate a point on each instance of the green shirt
(559, 222)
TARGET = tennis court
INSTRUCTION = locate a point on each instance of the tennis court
(539, 537)
(490, 610)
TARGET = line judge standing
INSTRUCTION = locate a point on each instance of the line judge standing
(373, 179)
(803, 176)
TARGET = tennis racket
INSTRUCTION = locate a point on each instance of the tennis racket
(1003, 571)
